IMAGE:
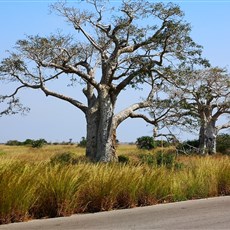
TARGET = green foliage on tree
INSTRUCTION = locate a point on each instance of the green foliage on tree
(145, 142)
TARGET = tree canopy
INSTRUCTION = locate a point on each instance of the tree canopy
(198, 100)
(132, 44)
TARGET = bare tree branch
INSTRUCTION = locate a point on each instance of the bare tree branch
(224, 126)
(72, 101)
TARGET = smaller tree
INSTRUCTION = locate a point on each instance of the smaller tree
(199, 99)
(145, 142)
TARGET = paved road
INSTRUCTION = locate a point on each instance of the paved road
(212, 213)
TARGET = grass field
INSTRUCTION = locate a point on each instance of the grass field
(57, 180)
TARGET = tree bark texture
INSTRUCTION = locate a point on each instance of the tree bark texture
(207, 138)
(101, 131)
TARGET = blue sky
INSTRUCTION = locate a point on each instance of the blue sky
(55, 120)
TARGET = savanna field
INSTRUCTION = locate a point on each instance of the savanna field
(57, 180)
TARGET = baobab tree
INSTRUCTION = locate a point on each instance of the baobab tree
(200, 99)
(113, 47)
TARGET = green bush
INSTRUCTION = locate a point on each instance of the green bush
(38, 143)
(123, 159)
(83, 142)
(147, 159)
(13, 143)
(188, 147)
(28, 142)
(194, 143)
(163, 159)
(168, 160)
(162, 143)
(223, 144)
(145, 142)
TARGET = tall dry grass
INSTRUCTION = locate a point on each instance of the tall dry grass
(37, 189)
(17, 190)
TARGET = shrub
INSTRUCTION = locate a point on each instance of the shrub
(38, 143)
(55, 143)
(223, 144)
(64, 158)
(162, 143)
(145, 142)
(28, 142)
(194, 143)
(165, 159)
(147, 159)
(189, 146)
(13, 143)
(123, 159)
(83, 142)
(168, 160)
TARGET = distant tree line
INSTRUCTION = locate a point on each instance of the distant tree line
(28, 142)
(189, 146)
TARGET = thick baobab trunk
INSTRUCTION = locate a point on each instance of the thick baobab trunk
(202, 146)
(207, 138)
(101, 132)
(106, 128)
(91, 136)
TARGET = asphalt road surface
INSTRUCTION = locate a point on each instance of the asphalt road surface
(212, 213)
